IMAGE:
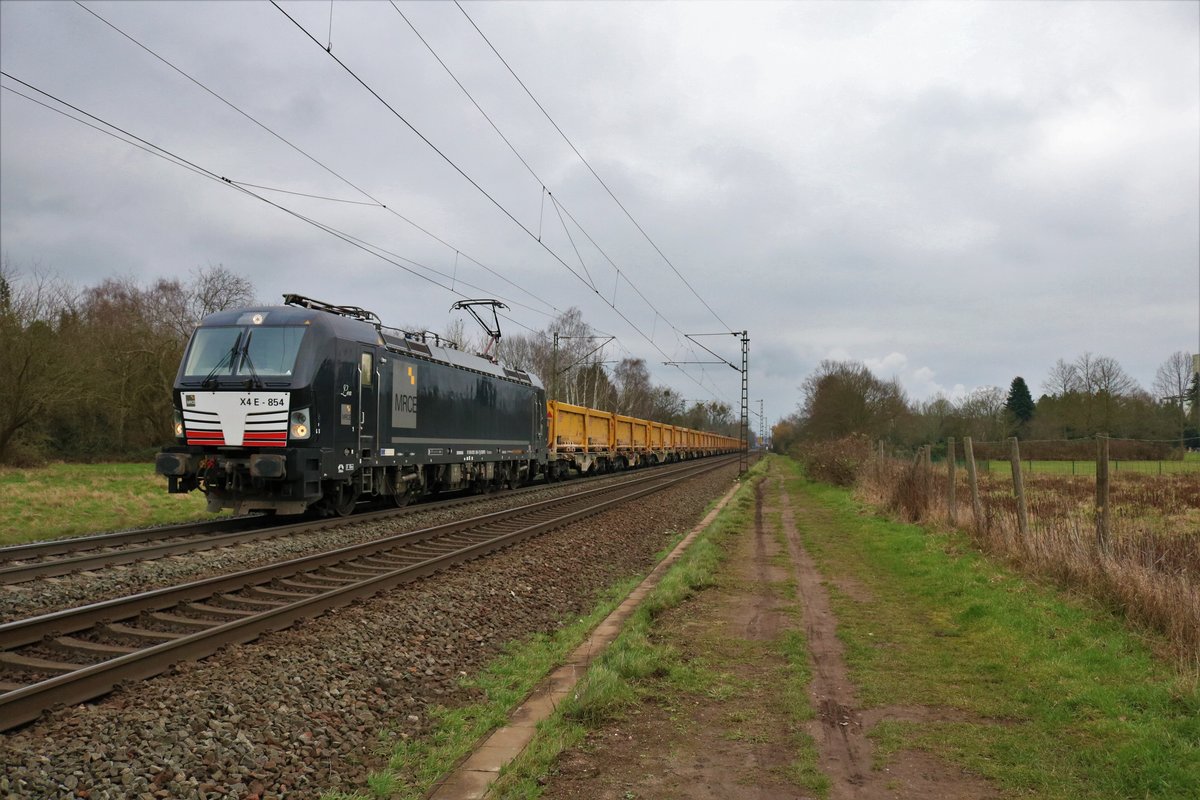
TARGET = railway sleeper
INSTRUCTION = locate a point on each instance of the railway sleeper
(384, 563)
(92, 648)
(220, 611)
(118, 629)
(182, 622)
(354, 573)
(311, 582)
(40, 664)
(261, 603)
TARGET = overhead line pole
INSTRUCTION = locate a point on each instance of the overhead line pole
(555, 371)
(744, 461)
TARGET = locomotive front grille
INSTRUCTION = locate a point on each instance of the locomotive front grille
(236, 419)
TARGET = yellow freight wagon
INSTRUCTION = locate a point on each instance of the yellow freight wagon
(633, 440)
(656, 441)
(580, 438)
(587, 440)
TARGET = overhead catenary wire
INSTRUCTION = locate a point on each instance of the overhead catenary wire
(560, 207)
(571, 239)
(304, 194)
(586, 163)
(374, 200)
(379, 252)
(455, 166)
(167, 155)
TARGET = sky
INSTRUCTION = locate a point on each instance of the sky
(952, 193)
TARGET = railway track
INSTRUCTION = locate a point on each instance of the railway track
(27, 562)
(78, 654)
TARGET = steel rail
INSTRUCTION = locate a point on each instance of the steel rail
(23, 573)
(76, 544)
(468, 540)
(79, 551)
(56, 623)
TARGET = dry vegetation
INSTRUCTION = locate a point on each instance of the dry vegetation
(1150, 571)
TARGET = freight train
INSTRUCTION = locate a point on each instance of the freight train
(310, 407)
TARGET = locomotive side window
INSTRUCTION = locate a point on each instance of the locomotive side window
(368, 369)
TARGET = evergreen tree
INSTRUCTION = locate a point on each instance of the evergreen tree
(1019, 404)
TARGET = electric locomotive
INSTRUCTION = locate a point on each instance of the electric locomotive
(312, 406)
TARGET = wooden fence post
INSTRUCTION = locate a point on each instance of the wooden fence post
(950, 466)
(1102, 493)
(976, 508)
(1019, 489)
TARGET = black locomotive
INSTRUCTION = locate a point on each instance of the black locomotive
(310, 406)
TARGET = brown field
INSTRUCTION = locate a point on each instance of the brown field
(1149, 571)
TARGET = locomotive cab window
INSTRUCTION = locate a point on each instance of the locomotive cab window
(235, 350)
(367, 368)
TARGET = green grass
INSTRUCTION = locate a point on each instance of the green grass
(804, 770)
(414, 764)
(1061, 700)
(619, 676)
(70, 499)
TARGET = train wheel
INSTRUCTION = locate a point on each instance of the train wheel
(399, 492)
(339, 500)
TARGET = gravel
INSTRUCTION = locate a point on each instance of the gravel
(22, 600)
(314, 708)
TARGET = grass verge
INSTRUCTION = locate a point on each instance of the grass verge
(414, 765)
(1052, 696)
(638, 664)
(71, 499)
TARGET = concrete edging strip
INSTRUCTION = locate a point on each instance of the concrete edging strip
(473, 777)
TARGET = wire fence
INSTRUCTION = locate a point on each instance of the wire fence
(1126, 532)
(1088, 467)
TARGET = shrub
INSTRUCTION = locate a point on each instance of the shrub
(838, 461)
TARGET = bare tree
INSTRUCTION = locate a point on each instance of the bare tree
(1171, 384)
(1063, 379)
(634, 392)
(1173, 377)
(982, 412)
(216, 288)
(1106, 376)
(89, 374)
(34, 356)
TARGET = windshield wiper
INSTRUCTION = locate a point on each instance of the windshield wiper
(233, 351)
(253, 380)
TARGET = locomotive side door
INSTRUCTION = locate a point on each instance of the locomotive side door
(368, 407)
(537, 426)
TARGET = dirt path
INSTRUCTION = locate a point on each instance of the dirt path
(731, 732)
(841, 726)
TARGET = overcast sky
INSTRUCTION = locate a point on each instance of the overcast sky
(953, 193)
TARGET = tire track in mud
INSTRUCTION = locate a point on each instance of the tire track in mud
(839, 728)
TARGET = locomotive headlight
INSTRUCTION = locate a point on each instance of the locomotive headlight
(178, 425)
(299, 427)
